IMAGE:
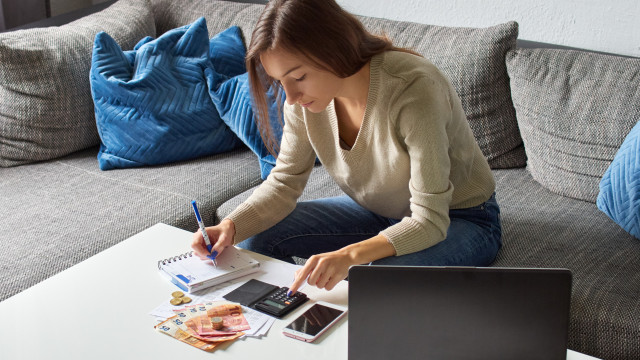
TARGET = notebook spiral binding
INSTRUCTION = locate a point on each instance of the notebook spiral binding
(174, 258)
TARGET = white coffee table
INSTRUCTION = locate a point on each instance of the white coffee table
(99, 309)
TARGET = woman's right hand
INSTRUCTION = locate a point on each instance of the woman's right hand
(220, 235)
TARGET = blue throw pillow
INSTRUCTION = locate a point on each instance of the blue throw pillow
(619, 195)
(152, 104)
(232, 97)
(227, 52)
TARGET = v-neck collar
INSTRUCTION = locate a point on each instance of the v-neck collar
(363, 138)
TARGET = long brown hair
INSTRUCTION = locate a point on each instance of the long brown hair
(321, 30)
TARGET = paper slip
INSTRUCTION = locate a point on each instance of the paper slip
(260, 323)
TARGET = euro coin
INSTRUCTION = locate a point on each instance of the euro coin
(176, 301)
(177, 294)
(217, 323)
(186, 299)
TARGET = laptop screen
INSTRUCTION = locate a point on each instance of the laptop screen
(403, 312)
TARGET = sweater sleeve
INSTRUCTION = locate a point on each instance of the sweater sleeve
(276, 197)
(424, 121)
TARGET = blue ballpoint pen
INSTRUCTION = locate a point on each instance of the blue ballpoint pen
(204, 233)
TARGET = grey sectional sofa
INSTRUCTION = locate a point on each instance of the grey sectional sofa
(530, 106)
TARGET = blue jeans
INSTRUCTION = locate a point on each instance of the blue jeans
(323, 225)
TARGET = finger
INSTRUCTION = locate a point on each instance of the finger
(332, 283)
(317, 274)
(198, 245)
(319, 277)
(218, 246)
(300, 276)
(324, 282)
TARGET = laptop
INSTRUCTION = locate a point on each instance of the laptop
(405, 313)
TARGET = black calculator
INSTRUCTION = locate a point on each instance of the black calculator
(278, 303)
(266, 298)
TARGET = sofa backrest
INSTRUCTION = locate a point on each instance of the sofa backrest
(573, 108)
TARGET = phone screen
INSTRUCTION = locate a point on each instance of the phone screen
(315, 319)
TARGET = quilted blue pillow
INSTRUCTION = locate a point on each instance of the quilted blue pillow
(152, 104)
(227, 52)
(619, 195)
(232, 97)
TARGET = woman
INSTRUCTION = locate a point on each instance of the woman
(391, 131)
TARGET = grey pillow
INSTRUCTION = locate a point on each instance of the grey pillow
(46, 109)
(574, 109)
(473, 59)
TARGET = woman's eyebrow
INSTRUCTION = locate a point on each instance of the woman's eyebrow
(290, 70)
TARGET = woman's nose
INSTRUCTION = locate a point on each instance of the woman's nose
(291, 93)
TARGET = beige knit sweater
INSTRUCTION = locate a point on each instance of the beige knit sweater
(414, 158)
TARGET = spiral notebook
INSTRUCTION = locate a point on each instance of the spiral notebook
(191, 274)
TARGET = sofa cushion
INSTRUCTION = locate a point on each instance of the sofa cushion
(542, 229)
(619, 195)
(45, 99)
(473, 60)
(81, 210)
(152, 105)
(574, 110)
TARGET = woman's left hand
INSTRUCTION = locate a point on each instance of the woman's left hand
(323, 270)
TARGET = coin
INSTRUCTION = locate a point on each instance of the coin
(186, 299)
(176, 301)
(177, 294)
(217, 323)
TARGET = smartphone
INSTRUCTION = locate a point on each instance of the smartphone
(315, 321)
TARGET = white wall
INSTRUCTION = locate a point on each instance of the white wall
(603, 25)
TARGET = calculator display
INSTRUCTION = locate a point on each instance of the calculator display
(273, 303)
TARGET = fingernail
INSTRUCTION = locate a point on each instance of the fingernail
(289, 293)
